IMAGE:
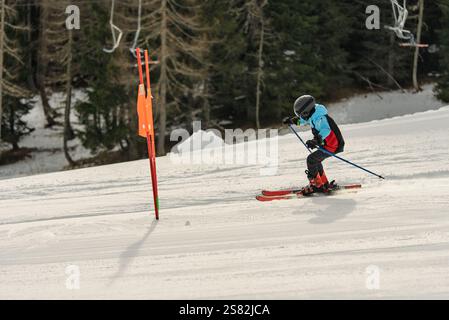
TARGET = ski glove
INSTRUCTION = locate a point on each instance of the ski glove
(314, 143)
(290, 120)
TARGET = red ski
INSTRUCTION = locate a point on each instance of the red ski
(280, 197)
(284, 192)
(294, 194)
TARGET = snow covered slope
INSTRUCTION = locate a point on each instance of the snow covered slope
(214, 240)
(382, 105)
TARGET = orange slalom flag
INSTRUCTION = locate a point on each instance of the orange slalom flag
(146, 125)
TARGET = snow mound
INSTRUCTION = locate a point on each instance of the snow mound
(200, 140)
(383, 105)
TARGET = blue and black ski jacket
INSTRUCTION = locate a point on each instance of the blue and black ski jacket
(326, 128)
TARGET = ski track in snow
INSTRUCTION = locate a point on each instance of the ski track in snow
(214, 240)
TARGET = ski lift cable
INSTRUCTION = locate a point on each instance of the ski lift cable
(136, 36)
(116, 40)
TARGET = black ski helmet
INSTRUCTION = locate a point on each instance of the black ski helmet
(304, 106)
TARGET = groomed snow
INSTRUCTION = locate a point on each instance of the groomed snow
(214, 240)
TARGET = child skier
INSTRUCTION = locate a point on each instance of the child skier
(326, 134)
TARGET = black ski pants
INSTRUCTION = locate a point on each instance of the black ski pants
(314, 164)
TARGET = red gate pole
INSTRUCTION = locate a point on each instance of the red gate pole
(146, 125)
(150, 137)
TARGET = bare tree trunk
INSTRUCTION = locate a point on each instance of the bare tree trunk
(30, 75)
(2, 30)
(68, 131)
(45, 103)
(418, 40)
(391, 56)
(41, 66)
(179, 35)
(15, 144)
(163, 82)
(206, 103)
(260, 67)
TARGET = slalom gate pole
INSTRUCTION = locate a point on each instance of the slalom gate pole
(153, 176)
(335, 156)
(146, 125)
(150, 138)
(139, 64)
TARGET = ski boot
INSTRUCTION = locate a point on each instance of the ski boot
(327, 186)
(315, 185)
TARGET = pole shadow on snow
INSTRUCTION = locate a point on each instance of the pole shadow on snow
(329, 209)
(131, 252)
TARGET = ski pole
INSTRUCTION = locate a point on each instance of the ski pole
(334, 155)
(351, 163)
(294, 131)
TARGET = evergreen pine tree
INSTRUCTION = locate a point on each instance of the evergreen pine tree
(442, 88)
(102, 116)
